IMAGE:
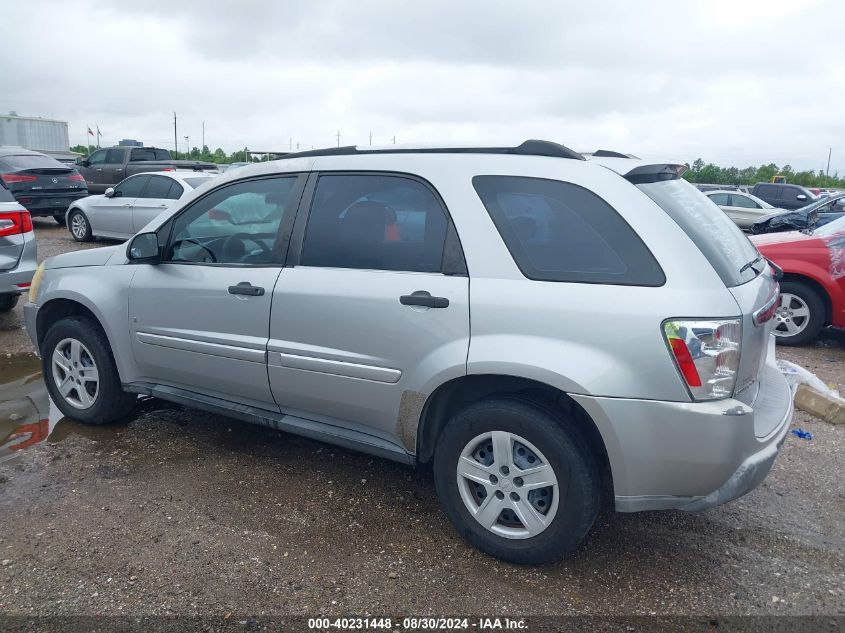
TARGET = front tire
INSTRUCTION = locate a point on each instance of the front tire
(80, 227)
(517, 480)
(7, 302)
(80, 373)
(800, 315)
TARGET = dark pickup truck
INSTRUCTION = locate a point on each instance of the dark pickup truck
(783, 196)
(107, 167)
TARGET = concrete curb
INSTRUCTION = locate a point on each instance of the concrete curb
(823, 406)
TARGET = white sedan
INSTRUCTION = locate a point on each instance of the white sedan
(125, 209)
(743, 208)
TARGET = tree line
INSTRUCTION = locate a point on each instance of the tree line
(713, 174)
(205, 154)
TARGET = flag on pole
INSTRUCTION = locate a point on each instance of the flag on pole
(90, 133)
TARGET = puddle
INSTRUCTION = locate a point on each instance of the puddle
(27, 414)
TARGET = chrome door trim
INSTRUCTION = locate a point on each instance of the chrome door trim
(335, 367)
(203, 347)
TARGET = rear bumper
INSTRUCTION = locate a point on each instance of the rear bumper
(46, 204)
(691, 456)
(22, 273)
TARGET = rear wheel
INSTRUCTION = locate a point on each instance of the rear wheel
(79, 226)
(517, 480)
(800, 315)
(59, 218)
(7, 302)
(80, 373)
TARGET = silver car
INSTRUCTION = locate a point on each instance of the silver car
(125, 209)
(18, 259)
(743, 208)
(540, 329)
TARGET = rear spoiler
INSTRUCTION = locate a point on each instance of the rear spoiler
(654, 173)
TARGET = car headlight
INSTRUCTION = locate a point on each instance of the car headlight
(706, 353)
(36, 281)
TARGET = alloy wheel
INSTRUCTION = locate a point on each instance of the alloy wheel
(75, 373)
(78, 226)
(792, 315)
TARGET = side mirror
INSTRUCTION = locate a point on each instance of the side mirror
(84, 162)
(109, 193)
(801, 197)
(143, 249)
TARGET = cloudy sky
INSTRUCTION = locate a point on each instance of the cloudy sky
(732, 81)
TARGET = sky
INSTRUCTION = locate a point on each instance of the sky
(736, 82)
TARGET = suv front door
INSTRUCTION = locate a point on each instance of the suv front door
(373, 310)
(200, 319)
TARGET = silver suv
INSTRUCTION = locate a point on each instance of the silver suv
(17, 250)
(540, 328)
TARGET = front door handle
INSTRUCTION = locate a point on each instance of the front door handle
(423, 298)
(246, 288)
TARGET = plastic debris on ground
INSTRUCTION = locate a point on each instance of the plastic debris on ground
(804, 435)
(797, 375)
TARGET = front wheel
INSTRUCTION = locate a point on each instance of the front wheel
(80, 373)
(800, 315)
(517, 480)
(79, 226)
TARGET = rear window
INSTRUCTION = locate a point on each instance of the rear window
(714, 233)
(6, 195)
(148, 153)
(557, 231)
(32, 161)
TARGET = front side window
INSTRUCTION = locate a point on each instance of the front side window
(719, 198)
(375, 222)
(131, 187)
(97, 158)
(558, 231)
(236, 224)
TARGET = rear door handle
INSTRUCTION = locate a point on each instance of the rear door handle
(246, 288)
(423, 298)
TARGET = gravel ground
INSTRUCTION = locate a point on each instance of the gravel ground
(182, 512)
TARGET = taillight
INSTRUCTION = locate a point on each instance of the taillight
(76, 178)
(765, 313)
(10, 178)
(706, 353)
(15, 222)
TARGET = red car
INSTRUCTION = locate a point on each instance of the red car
(813, 284)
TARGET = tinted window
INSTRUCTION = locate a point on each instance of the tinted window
(131, 187)
(6, 195)
(143, 153)
(767, 191)
(557, 231)
(743, 202)
(114, 156)
(157, 187)
(714, 233)
(375, 222)
(32, 161)
(719, 198)
(237, 224)
(97, 158)
(176, 191)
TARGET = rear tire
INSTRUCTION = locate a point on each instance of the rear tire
(80, 227)
(801, 314)
(59, 218)
(7, 302)
(80, 373)
(564, 513)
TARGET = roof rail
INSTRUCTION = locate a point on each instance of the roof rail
(608, 153)
(530, 147)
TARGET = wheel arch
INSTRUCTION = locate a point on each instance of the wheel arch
(459, 392)
(817, 286)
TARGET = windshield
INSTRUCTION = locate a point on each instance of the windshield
(821, 202)
(32, 161)
(714, 233)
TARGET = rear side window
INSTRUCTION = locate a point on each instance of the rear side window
(742, 201)
(767, 190)
(157, 187)
(114, 157)
(719, 198)
(374, 222)
(557, 231)
(713, 232)
(5, 194)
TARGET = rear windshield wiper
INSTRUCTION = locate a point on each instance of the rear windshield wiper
(751, 265)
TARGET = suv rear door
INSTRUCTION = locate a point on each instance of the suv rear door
(372, 310)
